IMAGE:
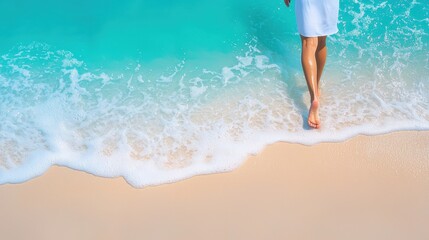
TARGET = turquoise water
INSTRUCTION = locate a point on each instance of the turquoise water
(158, 91)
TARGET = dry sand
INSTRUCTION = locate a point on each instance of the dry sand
(373, 187)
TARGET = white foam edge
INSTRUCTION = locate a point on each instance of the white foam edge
(228, 159)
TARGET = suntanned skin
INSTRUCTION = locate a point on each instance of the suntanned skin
(313, 59)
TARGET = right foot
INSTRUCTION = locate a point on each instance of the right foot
(313, 115)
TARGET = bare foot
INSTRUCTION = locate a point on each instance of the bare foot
(319, 93)
(313, 115)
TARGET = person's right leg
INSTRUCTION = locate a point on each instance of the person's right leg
(321, 53)
(309, 66)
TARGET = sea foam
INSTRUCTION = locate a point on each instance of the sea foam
(182, 123)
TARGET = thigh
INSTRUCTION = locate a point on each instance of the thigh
(309, 42)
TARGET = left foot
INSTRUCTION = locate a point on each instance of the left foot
(313, 115)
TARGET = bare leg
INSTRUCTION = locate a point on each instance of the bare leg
(321, 53)
(309, 66)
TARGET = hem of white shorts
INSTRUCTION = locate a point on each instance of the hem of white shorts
(327, 33)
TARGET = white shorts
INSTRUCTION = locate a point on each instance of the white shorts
(317, 17)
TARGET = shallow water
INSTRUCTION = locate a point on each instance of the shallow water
(160, 91)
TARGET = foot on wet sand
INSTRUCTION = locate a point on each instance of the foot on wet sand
(313, 115)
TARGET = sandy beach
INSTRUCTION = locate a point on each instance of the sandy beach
(369, 187)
